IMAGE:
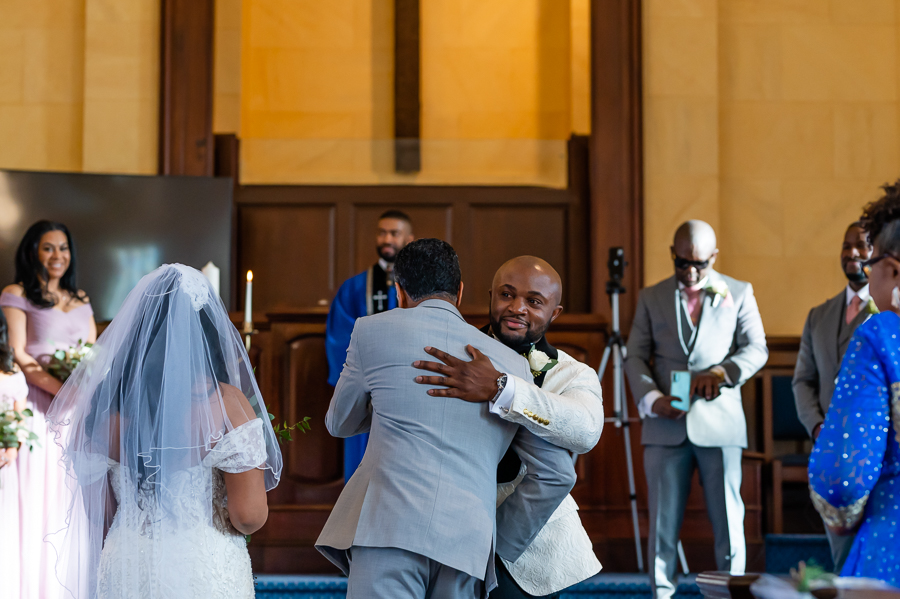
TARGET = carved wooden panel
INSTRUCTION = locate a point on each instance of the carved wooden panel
(497, 234)
(290, 249)
(308, 395)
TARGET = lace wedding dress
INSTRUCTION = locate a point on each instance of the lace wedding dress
(203, 555)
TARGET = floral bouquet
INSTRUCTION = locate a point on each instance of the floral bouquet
(64, 361)
(13, 430)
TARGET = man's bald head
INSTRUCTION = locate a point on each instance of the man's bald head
(696, 234)
(694, 251)
(525, 299)
(544, 277)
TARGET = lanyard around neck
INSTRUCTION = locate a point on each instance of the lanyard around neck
(678, 308)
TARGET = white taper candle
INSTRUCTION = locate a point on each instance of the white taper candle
(248, 299)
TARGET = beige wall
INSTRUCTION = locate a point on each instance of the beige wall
(774, 120)
(79, 83)
(504, 84)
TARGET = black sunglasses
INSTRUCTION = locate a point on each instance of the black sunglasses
(867, 265)
(684, 264)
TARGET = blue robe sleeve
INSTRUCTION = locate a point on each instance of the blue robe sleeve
(348, 305)
(847, 458)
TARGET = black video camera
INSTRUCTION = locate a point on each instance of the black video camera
(616, 264)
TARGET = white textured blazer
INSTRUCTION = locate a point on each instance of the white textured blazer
(569, 410)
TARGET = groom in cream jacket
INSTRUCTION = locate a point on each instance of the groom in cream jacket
(564, 406)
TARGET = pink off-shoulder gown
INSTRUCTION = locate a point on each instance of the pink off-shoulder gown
(13, 388)
(42, 488)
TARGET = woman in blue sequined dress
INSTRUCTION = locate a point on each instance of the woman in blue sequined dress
(854, 469)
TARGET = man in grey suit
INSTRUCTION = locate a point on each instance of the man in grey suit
(707, 324)
(826, 335)
(419, 516)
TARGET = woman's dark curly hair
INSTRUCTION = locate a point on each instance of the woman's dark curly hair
(881, 219)
(32, 275)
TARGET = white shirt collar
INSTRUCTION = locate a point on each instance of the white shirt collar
(862, 293)
(385, 265)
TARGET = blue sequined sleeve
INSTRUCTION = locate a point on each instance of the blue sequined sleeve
(847, 458)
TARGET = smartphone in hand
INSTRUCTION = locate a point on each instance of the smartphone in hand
(680, 387)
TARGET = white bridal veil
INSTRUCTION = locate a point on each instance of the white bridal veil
(153, 399)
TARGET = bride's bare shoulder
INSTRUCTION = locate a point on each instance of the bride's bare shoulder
(237, 406)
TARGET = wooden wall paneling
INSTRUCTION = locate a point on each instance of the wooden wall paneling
(291, 250)
(309, 394)
(616, 170)
(429, 220)
(577, 300)
(440, 211)
(226, 163)
(407, 90)
(502, 233)
(186, 65)
(312, 475)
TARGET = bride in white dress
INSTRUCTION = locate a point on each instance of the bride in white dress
(168, 449)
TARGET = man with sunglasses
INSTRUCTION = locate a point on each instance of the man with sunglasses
(826, 335)
(707, 326)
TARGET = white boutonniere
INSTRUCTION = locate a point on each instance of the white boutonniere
(719, 290)
(539, 362)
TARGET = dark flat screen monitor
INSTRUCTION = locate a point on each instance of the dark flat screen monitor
(123, 226)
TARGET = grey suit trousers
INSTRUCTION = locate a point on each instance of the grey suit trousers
(389, 573)
(669, 471)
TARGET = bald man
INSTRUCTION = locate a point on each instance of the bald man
(706, 324)
(564, 406)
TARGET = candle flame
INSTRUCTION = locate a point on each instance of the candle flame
(249, 276)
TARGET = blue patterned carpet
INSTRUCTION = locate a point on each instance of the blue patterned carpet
(602, 586)
(782, 553)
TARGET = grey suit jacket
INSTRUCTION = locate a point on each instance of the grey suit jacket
(428, 481)
(730, 334)
(819, 359)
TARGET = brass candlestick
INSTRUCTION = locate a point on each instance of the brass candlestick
(248, 332)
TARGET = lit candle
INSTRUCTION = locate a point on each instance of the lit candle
(248, 299)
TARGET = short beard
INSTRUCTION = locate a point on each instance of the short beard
(387, 258)
(517, 345)
(857, 277)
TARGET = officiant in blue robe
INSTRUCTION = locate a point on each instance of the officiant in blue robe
(370, 292)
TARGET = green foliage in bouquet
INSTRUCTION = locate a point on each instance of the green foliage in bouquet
(283, 431)
(808, 573)
(13, 430)
(64, 361)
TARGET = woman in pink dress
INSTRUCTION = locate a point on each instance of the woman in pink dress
(13, 392)
(46, 312)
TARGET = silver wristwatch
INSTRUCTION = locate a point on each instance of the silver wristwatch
(501, 384)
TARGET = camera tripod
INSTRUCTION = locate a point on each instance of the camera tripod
(615, 348)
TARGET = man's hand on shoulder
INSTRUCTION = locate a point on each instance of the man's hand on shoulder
(663, 407)
(474, 381)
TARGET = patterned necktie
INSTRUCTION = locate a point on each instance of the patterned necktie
(853, 308)
(694, 302)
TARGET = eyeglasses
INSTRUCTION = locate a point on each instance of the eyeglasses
(684, 264)
(868, 264)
